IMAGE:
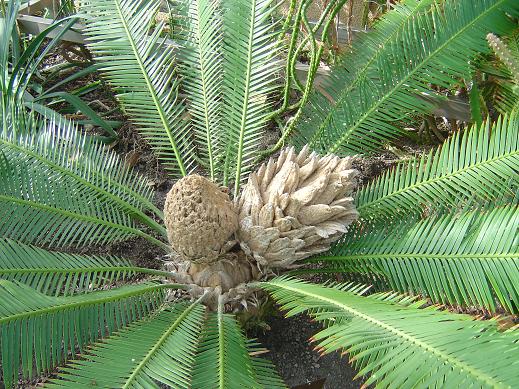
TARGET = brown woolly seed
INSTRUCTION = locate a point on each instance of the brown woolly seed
(200, 219)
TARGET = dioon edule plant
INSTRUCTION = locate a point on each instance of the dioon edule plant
(437, 229)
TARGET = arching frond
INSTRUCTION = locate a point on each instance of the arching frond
(201, 65)
(41, 330)
(224, 362)
(354, 67)
(139, 64)
(367, 49)
(163, 349)
(59, 147)
(55, 273)
(43, 205)
(160, 348)
(470, 259)
(359, 114)
(250, 66)
(481, 165)
(401, 345)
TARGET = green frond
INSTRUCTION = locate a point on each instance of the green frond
(366, 50)
(45, 197)
(160, 348)
(139, 64)
(470, 259)
(55, 273)
(401, 345)
(201, 67)
(179, 347)
(250, 71)
(224, 361)
(503, 92)
(479, 165)
(359, 111)
(59, 146)
(41, 330)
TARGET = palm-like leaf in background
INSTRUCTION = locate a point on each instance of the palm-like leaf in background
(362, 116)
(40, 329)
(499, 88)
(140, 67)
(250, 66)
(401, 345)
(479, 165)
(56, 273)
(502, 85)
(365, 50)
(224, 360)
(470, 259)
(201, 65)
(20, 65)
(50, 196)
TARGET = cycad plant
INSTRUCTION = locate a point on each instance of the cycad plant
(434, 233)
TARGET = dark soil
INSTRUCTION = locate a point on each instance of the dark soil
(297, 362)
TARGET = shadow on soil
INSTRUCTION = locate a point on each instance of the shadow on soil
(296, 360)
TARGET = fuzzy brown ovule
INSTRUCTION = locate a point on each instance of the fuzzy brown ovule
(200, 219)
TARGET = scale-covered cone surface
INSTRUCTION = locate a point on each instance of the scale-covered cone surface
(295, 206)
(200, 219)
